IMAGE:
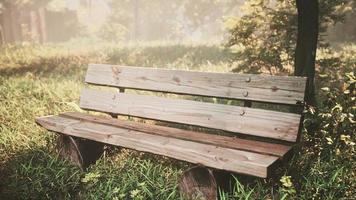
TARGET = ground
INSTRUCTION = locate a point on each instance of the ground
(42, 80)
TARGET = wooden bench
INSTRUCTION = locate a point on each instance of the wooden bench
(255, 138)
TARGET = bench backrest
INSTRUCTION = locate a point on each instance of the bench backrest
(250, 121)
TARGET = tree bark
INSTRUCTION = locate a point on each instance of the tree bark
(308, 30)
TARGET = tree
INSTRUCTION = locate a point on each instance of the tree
(308, 29)
(117, 25)
(265, 37)
(199, 14)
(262, 38)
(13, 14)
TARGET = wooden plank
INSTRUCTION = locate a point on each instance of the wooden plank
(208, 155)
(250, 121)
(217, 140)
(115, 115)
(264, 88)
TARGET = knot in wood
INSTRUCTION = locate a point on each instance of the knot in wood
(248, 79)
(242, 112)
(116, 71)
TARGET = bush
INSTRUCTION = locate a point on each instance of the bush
(264, 38)
(327, 161)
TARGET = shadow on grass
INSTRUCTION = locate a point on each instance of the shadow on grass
(60, 65)
(38, 174)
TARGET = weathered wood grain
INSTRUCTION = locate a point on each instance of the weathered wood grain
(217, 140)
(264, 88)
(217, 157)
(250, 121)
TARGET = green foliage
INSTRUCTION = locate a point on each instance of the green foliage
(131, 175)
(332, 65)
(330, 137)
(239, 191)
(334, 123)
(346, 31)
(28, 168)
(264, 38)
(40, 175)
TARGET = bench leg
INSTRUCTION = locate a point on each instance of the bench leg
(198, 183)
(79, 151)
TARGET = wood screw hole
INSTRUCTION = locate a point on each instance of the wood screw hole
(245, 94)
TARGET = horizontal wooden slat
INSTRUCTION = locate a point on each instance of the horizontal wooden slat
(251, 121)
(208, 155)
(264, 88)
(217, 140)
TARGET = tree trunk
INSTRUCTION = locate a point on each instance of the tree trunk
(42, 21)
(308, 30)
(16, 25)
(136, 20)
(34, 26)
(2, 36)
(8, 36)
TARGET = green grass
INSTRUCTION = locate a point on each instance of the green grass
(44, 80)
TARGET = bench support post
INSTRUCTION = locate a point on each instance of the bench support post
(79, 151)
(198, 183)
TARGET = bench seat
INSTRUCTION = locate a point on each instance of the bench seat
(221, 152)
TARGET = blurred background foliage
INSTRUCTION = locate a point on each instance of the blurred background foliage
(137, 20)
(114, 20)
